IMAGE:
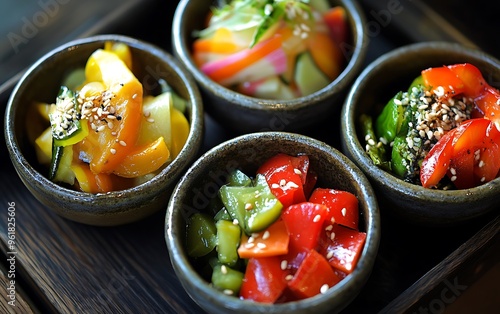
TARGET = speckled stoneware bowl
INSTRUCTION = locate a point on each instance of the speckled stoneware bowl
(378, 83)
(248, 114)
(201, 182)
(41, 83)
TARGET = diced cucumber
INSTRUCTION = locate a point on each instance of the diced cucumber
(228, 240)
(227, 279)
(200, 235)
(274, 88)
(308, 76)
(222, 214)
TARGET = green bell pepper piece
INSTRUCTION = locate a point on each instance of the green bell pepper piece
(389, 121)
(254, 207)
(376, 152)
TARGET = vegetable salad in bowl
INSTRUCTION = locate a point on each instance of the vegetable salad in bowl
(103, 133)
(277, 237)
(442, 132)
(280, 49)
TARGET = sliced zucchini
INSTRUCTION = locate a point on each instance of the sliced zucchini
(308, 76)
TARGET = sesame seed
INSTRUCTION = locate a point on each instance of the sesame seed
(316, 218)
(248, 206)
(297, 171)
(261, 245)
(122, 143)
(453, 178)
(481, 164)
(288, 277)
(332, 236)
(284, 264)
(483, 179)
(151, 120)
(228, 292)
(249, 245)
(324, 288)
(329, 228)
(371, 142)
(453, 171)
(236, 222)
(282, 182)
(275, 185)
(100, 128)
(223, 269)
(113, 151)
(110, 125)
(343, 211)
(397, 102)
(266, 235)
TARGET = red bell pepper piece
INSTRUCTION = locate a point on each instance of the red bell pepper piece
(314, 276)
(342, 247)
(342, 206)
(284, 179)
(264, 280)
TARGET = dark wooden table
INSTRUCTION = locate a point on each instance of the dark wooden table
(65, 267)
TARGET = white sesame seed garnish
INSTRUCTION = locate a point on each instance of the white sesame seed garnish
(453, 171)
(228, 292)
(282, 182)
(100, 128)
(343, 211)
(261, 245)
(329, 255)
(371, 142)
(284, 264)
(122, 143)
(481, 164)
(329, 228)
(236, 222)
(249, 245)
(297, 171)
(453, 178)
(483, 179)
(223, 269)
(266, 235)
(275, 185)
(332, 236)
(316, 218)
(248, 206)
(150, 120)
(112, 151)
(324, 288)
(288, 277)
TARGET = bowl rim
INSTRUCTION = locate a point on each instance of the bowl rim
(355, 149)
(24, 168)
(358, 24)
(181, 263)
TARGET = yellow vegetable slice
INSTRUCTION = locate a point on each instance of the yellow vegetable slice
(144, 159)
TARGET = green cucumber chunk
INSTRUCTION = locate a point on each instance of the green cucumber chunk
(201, 235)
(308, 76)
(228, 240)
(227, 279)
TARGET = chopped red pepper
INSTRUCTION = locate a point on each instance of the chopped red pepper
(314, 276)
(342, 206)
(342, 247)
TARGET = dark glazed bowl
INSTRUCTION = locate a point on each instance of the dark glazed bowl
(378, 83)
(201, 183)
(248, 114)
(41, 83)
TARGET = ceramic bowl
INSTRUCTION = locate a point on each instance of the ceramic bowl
(381, 80)
(201, 183)
(41, 83)
(244, 114)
